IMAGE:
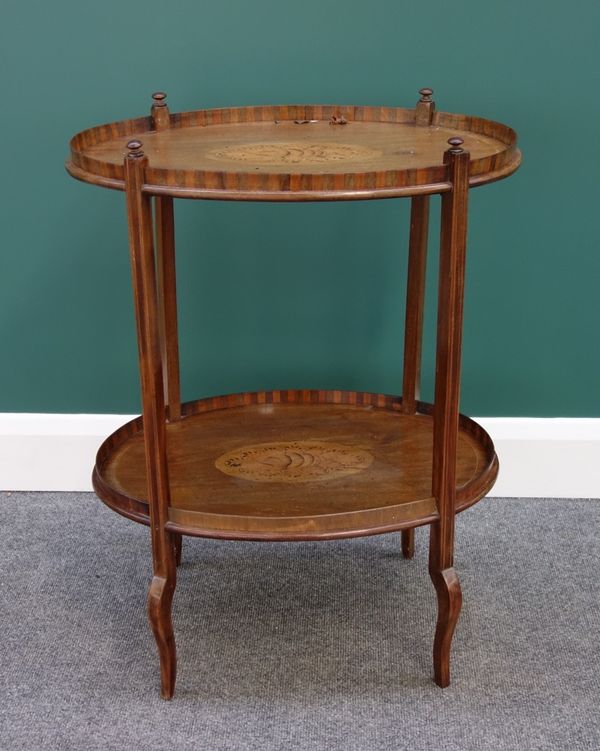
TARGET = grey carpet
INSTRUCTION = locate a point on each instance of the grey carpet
(299, 646)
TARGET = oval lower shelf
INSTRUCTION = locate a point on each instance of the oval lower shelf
(294, 465)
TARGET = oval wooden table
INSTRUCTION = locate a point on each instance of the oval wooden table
(296, 464)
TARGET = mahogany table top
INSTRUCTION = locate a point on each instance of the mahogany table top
(295, 152)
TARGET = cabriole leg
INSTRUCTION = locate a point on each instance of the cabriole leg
(160, 598)
(167, 291)
(139, 214)
(449, 599)
(445, 415)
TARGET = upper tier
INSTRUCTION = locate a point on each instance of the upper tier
(295, 153)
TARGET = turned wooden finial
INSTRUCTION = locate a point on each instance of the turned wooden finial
(134, 149)
(456, 144)
(425, 107)
(160, 111)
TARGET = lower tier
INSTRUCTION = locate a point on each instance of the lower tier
(294, 465)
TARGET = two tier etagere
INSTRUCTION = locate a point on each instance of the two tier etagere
(296, 464)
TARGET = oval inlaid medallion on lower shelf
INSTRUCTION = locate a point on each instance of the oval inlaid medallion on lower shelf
(297, 461)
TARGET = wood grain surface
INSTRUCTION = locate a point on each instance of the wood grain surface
(382, 465)
(294, 461)
(446, 436)
(294, 152)
(147, 315)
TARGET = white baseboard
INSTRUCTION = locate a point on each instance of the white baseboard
(546, 457)
(51, 452)
(539, 457)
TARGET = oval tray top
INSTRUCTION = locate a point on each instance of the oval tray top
(294, 152)
(294, 465)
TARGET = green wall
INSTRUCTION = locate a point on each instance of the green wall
(300, 295)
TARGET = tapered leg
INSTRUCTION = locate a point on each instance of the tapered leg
(415, 300)
(167, 304)
(408, 542)
(160, 598)
(413, 328)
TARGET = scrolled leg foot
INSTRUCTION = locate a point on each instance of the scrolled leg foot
(408, 543)
(160, 598)
(449, 596)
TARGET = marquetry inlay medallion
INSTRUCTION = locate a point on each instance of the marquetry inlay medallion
(294, 461)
